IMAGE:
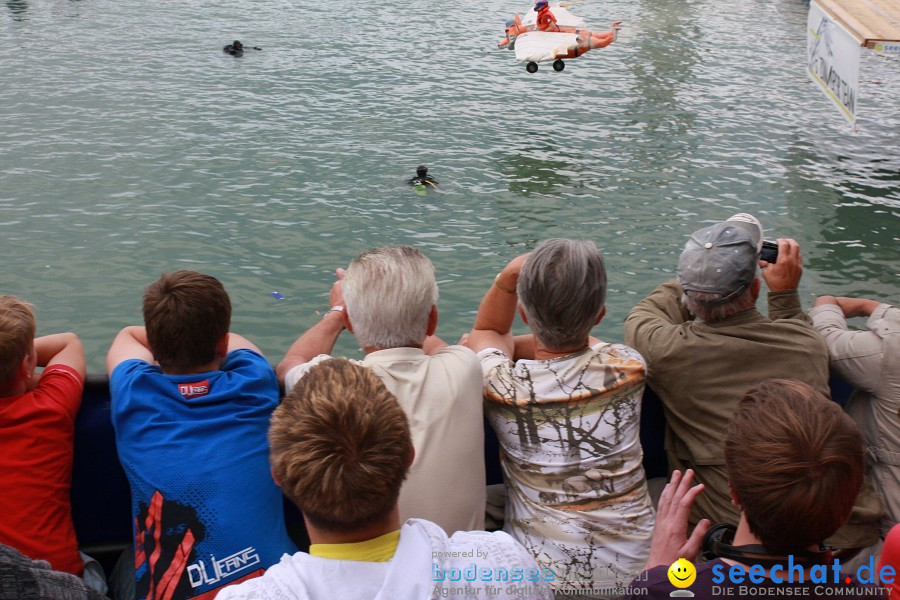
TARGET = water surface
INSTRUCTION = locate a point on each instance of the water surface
(130, 144)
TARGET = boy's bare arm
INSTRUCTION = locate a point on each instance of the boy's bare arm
(60, 349)
(130, 343)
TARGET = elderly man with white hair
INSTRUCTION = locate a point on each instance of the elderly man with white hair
(387, 298)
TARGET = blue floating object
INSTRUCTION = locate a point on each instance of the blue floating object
(277, 295)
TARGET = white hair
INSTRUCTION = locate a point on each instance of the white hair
(389, 293)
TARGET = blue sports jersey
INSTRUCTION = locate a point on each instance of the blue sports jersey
(206, 510)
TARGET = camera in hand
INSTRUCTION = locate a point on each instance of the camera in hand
(769, 252)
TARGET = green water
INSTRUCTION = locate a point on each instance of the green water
(130, 144)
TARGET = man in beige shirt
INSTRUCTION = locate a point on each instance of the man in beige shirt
(387, 298)
(869, 360)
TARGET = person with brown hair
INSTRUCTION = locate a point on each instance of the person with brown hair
(37, 421)
(341, 448)
(795, 464)
(190, 406)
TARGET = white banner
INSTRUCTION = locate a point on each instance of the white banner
(833, 60)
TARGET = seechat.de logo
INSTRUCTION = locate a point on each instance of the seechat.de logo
(682, 574)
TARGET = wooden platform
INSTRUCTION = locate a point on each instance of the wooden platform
(870, 21)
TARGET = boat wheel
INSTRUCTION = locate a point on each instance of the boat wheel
(531, 67)
(558, 65)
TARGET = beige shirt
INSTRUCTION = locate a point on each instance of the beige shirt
(441, 395)
(870, 361)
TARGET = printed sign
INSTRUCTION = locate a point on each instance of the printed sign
(833, 60)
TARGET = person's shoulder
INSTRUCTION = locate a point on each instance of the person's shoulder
(60, 371)
(297, 372)
(459, 352)
(133, 367)
(61, 385)
(459, 358)
(245, 354)
(617, 352)
(249, 362)
(491, 355)
(500, 541)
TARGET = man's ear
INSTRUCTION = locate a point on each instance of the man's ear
(754, 288)
(221, 346)
(27, 366)
(432, 320)
(274, 476)
(412, 455)
(346, 314)
(600, 316)
(734, 498)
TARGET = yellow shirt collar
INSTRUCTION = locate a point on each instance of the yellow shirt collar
(380, 549)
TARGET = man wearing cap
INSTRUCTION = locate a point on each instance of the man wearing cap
(706, 345)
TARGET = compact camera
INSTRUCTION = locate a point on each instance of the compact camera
(769, 252)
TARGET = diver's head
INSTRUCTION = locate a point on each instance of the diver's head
(540, 5)
(237, 45)
(421, 171)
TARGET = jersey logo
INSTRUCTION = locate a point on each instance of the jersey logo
(195, 389)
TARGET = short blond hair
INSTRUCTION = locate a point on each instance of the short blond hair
(17, 328)
(340, 446)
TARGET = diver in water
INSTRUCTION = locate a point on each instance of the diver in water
(422, 178)
(546, 21)
(236, 48)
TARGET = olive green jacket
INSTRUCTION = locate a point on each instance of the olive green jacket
(701, 370)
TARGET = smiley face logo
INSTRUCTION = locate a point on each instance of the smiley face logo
(682, 573)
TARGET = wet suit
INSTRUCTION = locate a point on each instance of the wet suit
(428, 181)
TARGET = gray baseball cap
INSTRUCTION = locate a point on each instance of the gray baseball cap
(722, 259)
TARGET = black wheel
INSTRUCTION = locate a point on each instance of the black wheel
(531, 67)
(558, 65)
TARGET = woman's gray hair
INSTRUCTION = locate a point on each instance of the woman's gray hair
(389, 293)
(562, 291)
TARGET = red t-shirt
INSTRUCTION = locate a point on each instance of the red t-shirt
(890, 556)
(36, 435)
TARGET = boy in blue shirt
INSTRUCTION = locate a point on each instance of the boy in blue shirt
(190, 405)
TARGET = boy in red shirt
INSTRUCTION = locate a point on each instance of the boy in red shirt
(37, 427)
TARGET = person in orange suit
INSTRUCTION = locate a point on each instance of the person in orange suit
(546, 21)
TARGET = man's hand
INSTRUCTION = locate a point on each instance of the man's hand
(336, 297)
(784, 274)
(321, 337)
(670, 541)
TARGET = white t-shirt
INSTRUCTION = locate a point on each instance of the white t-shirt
(427, 564)
(441, 396)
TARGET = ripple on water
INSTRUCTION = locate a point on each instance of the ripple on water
(151, 150)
